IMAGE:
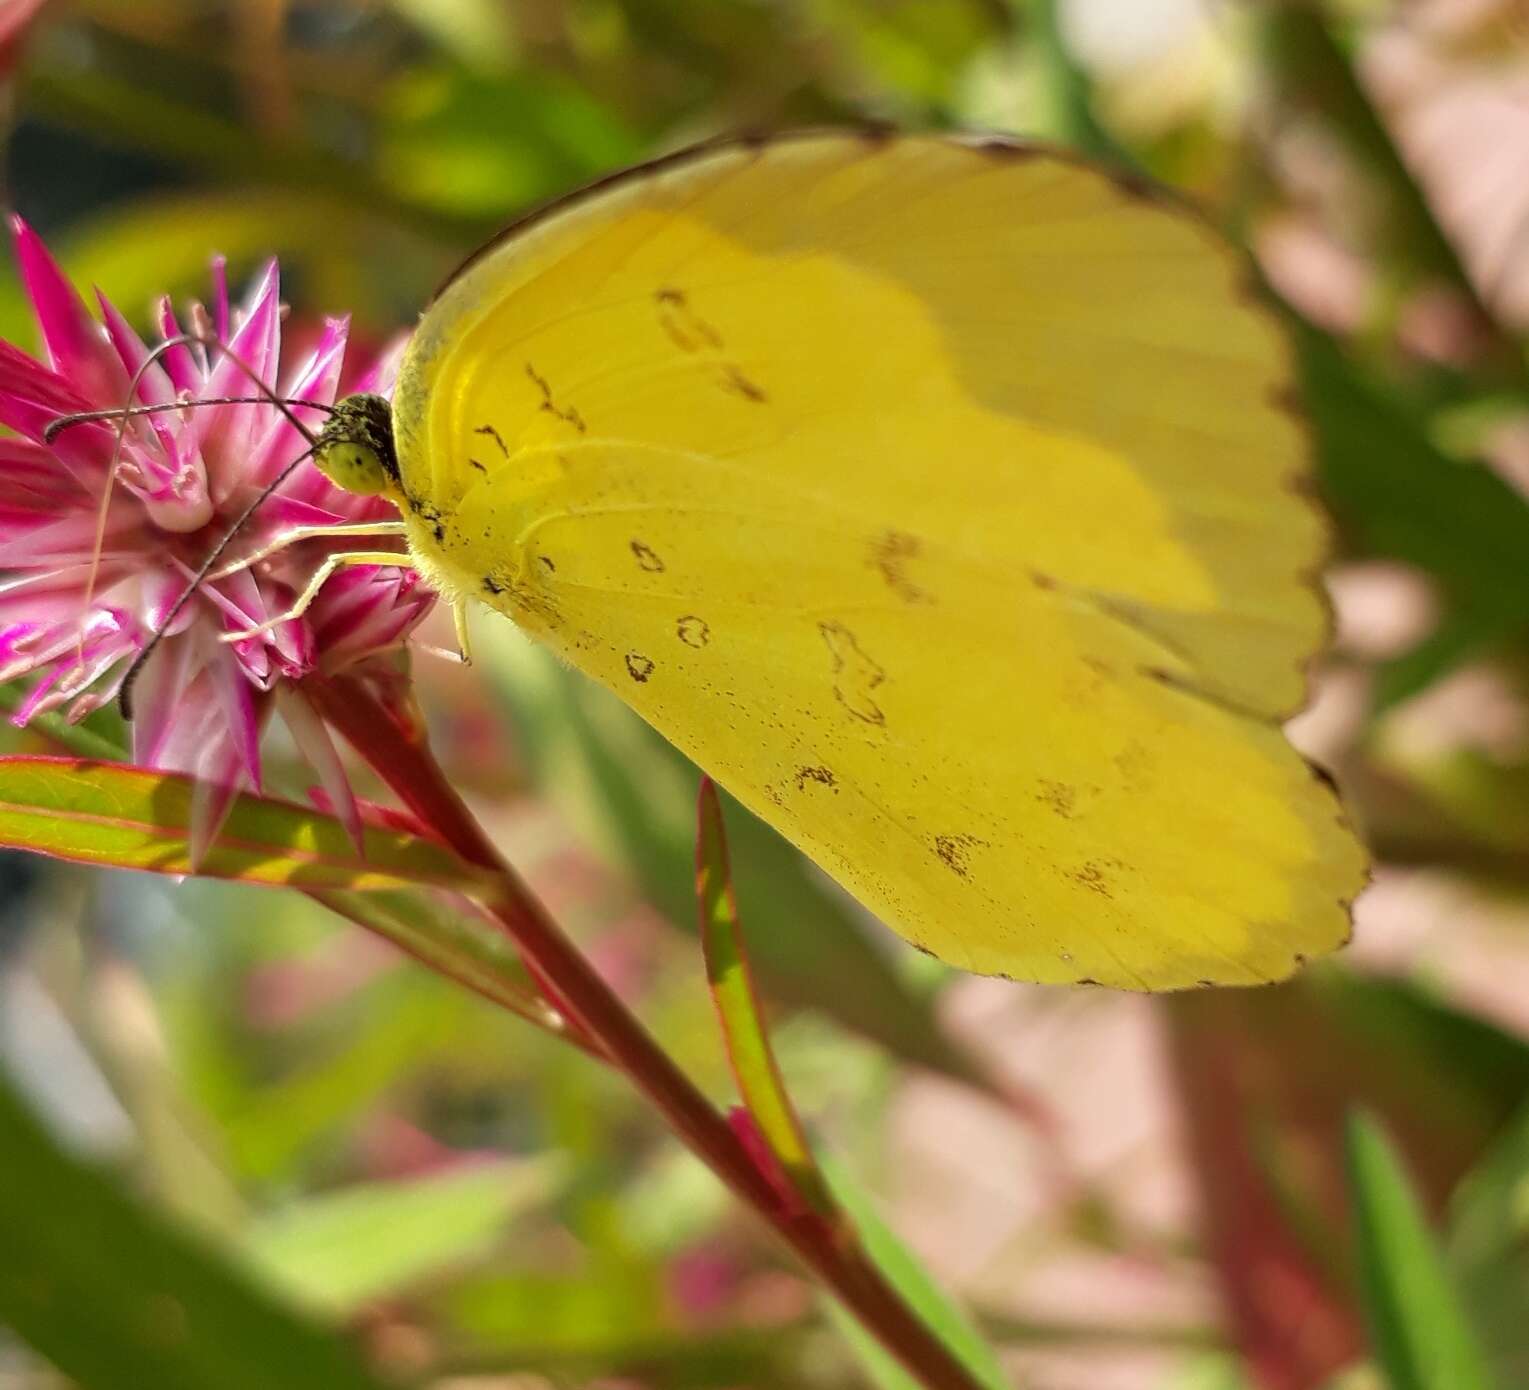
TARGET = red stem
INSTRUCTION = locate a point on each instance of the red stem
(398, 754)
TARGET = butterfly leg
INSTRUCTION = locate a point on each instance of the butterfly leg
(464, 641)
(308, 533)
(321, 577)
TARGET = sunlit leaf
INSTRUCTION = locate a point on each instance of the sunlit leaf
(915, 50)
(475, 146)
(449, 934)
(343, 1249)
(533, 1312)
(1069, 89)
(1421, 1338)
(114, 1297)
(402, 1024)
(907, 1274)
(478, 33)
(82, 739)
(351, 259)
(744, 1029)
(130, 817)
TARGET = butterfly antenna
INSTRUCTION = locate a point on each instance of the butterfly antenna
(209, 562)
(203, 335)
(59, 423)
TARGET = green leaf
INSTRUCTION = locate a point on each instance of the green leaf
(474, 146)
(80, 739)
(1267, 1079)
(630, 792)
(405, 1024)
(1420, 1334)
(480, 33)
(344, 256)
(1487, 1249)
(1398, 495)
(914, 53)
(743, 1024)
(114, 1297)
(1069, 90)
(1310, 69)
(906, 1273)
(524, 1315)
(341, 1250)
(450, 935)
(131, 817)
(444, 931)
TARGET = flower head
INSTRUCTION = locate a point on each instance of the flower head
(77, 612)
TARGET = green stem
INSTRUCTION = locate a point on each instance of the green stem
(400, 756)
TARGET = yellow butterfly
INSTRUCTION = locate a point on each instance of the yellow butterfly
(935, 495)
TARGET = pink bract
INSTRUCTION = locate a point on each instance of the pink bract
(183, 476)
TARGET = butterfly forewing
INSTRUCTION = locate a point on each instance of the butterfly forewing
(936, 499)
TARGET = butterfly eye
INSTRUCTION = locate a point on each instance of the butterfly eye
(355, 447)
(353, 466)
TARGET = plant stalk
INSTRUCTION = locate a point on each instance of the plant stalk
(400, 755)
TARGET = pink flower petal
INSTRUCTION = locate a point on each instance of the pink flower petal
(217, 787)
(379, 375)
(220, 296)
(161, 701)
(179, 362)
(316, 380)
(154, 386)
(76, 343)
(283, 513)
(237, 698)
(223, 434)
(313, 742)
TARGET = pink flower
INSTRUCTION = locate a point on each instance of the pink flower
(77, 619)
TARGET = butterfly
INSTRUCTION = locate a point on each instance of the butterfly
(937, 496)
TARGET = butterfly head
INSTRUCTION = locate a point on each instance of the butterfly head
(355, 447)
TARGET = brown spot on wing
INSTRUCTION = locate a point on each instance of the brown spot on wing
(1060, 796)
(891, 553)
(733, 380)
(568, 414)
(638, 667)
(494, 434)
(856, 675)
(647, 558)
(693, 631)
(1091, 876)
(687, 330)
(954, 852)
(823, 776)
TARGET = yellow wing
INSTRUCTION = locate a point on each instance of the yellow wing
(936, 498)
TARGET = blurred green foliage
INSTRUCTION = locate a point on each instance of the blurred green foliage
(350, 1139)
